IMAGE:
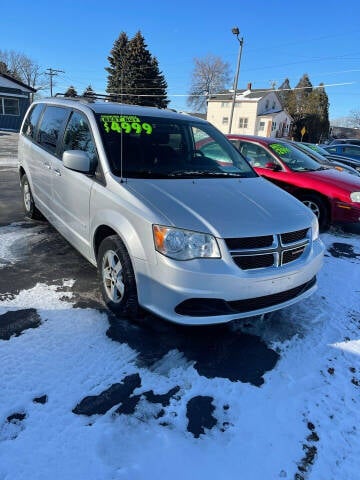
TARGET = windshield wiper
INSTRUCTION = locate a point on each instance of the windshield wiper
(203, 173)
(315, 169)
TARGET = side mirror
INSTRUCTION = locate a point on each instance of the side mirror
(273, 166)
(77, 160)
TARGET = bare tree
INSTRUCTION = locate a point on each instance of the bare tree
(210, 75)
(23, 68)
(354, 118)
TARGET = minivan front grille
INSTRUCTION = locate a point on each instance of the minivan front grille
(249, 242)
(247, 262)
(292, 237)
(250, 253)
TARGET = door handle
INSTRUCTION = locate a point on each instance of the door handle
(57, 172)
(47, 165)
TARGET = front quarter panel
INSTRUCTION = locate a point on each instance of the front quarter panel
(129, 219)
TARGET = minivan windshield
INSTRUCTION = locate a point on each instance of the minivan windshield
(153, 147)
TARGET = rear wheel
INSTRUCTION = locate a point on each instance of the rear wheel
(28, 200)
(118, 283)
(318, 206)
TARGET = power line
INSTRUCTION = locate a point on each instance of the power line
(52, 72)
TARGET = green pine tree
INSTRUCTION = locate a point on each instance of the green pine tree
(285, 94)
(134, 74)
(70, 92)
(118, 71)
(319, 107)
(88, 92)
(308, 107)
(4, 69)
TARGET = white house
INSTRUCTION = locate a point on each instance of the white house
(256, 112)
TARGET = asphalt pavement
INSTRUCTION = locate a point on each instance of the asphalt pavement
(43, 256)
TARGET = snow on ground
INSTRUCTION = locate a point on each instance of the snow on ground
(301, 423)
(9, 162)
(11, 237)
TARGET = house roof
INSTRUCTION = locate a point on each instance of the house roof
(17, 82)
(273, 112)
(253, 93)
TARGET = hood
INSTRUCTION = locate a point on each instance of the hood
(350, 183)
(224, 207)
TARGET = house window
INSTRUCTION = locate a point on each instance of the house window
(9, 106)
(273, 125)
(224, 104)
(267, 105)
(261, 126)
(225, 120)
(273, 105)
(243, 122)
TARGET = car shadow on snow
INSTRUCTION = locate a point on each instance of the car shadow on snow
(214, 351)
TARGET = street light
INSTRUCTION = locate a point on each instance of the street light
(236, 32)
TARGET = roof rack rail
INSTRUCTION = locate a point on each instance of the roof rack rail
(107, 97)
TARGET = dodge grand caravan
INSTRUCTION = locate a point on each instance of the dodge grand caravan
(194, 238)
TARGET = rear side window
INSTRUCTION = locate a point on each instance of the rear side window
(352, 150)
(50, 127)
(29, 127)
(255, 154)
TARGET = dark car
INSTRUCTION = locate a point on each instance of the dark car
(338, 141)
(351, 162)
(331, 195)
(345, 149)
(324, 160)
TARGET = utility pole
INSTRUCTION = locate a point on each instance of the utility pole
(236, 32)
(52, 72)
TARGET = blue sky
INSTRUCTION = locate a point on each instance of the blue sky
(281, 39)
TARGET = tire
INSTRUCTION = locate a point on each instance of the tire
(318, 206)
(28, 200)
(117, 278)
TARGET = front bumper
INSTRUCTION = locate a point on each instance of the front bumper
(346, 212)
(210, 291)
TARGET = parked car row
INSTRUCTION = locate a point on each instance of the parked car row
(332, 195)
(326, 160)
(338, 141)
(351, 162)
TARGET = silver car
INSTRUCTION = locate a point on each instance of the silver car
(175, 219)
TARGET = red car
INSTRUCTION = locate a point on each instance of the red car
(333, 196)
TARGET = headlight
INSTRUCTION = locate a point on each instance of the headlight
(355, 197)
(315, 229)
(184, 244)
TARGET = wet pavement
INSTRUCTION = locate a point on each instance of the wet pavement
(43, 256)
(8, 144)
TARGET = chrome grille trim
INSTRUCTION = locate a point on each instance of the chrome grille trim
(283, 250)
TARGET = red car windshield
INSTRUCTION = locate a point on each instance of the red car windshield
(293, 158)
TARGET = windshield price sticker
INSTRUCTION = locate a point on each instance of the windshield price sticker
(279, 149)
(125, 124)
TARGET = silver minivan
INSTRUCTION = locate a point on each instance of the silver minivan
(175, 219)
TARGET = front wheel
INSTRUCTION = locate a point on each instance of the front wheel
(118, 283)
(318, 207)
